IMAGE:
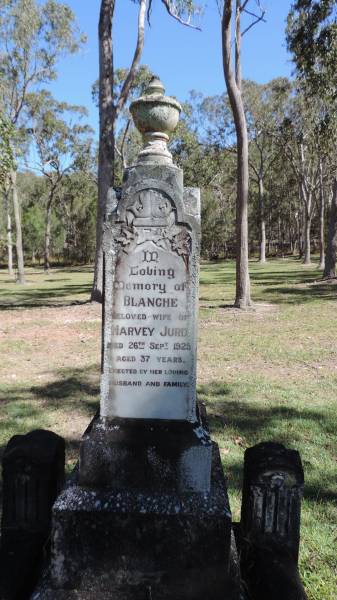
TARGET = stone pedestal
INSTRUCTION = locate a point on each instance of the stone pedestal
(146, 455)
(129, 544)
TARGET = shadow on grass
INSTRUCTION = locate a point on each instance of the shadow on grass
(40, 297)
(251, 423)
(296, 295)
(77, 390)
(276, 282)
(72, 391)
(261, 278)
(72, 386)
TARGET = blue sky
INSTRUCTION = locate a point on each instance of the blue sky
(185, 59)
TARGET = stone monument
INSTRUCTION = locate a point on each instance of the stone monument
(147, 516)
(33, 476)
(270, 522)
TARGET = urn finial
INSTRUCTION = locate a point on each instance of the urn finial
(156, 116)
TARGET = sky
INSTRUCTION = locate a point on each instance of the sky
(185, 59)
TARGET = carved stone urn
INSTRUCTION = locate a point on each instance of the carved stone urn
(156, 116)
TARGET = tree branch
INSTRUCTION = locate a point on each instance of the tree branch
(136, 58)
(173, 13)
(255, 171)
(238, 75)
(123, 143)
(243, 7)
(258, 18)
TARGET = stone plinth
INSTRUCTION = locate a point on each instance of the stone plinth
(126, 544)
(146, 455)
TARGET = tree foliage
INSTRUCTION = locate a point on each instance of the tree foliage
(7, 162)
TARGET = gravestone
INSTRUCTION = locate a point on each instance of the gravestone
(272, 493)
(270, 522)
(33, 476)
(148, 516)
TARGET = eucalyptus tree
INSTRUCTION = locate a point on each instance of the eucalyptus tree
(301, 147)
(111, 104)
(233, 78)
(61, 146)
(7, 164)
(199, 147)
(33, 36)
(33, 192)
(76, 209)
(265, 105)
(312, 39)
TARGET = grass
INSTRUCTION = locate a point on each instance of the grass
(265, 374)
(59, 287)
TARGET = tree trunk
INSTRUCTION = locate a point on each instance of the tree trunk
(17, 216)
(300, 234)
(331, 249)
(307, 236)
(106, 135)
(321, 219)
(262, 223)
(9, 237)
(47, 233)
(108, 112)
(242, 298)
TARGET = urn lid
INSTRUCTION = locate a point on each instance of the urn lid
(155, 86)
(154, 93)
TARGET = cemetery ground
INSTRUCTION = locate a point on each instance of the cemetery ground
(265, 374)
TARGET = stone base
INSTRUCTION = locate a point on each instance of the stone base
(126, 545)
(146, 455)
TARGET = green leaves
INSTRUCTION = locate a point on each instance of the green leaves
(33, 36)
(312, 39)
(61, 143)
(7, 162)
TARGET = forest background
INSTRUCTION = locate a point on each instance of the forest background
(50, 143)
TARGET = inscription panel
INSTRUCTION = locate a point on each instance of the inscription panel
(150, 324)
(151, 355)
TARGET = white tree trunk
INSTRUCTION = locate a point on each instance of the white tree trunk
(17, 217)
(47, 235)
(9, 237)
(262, 223)
(307, 238)
(331, 249)
(242, 298)
(321, 219)
(106, 135)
